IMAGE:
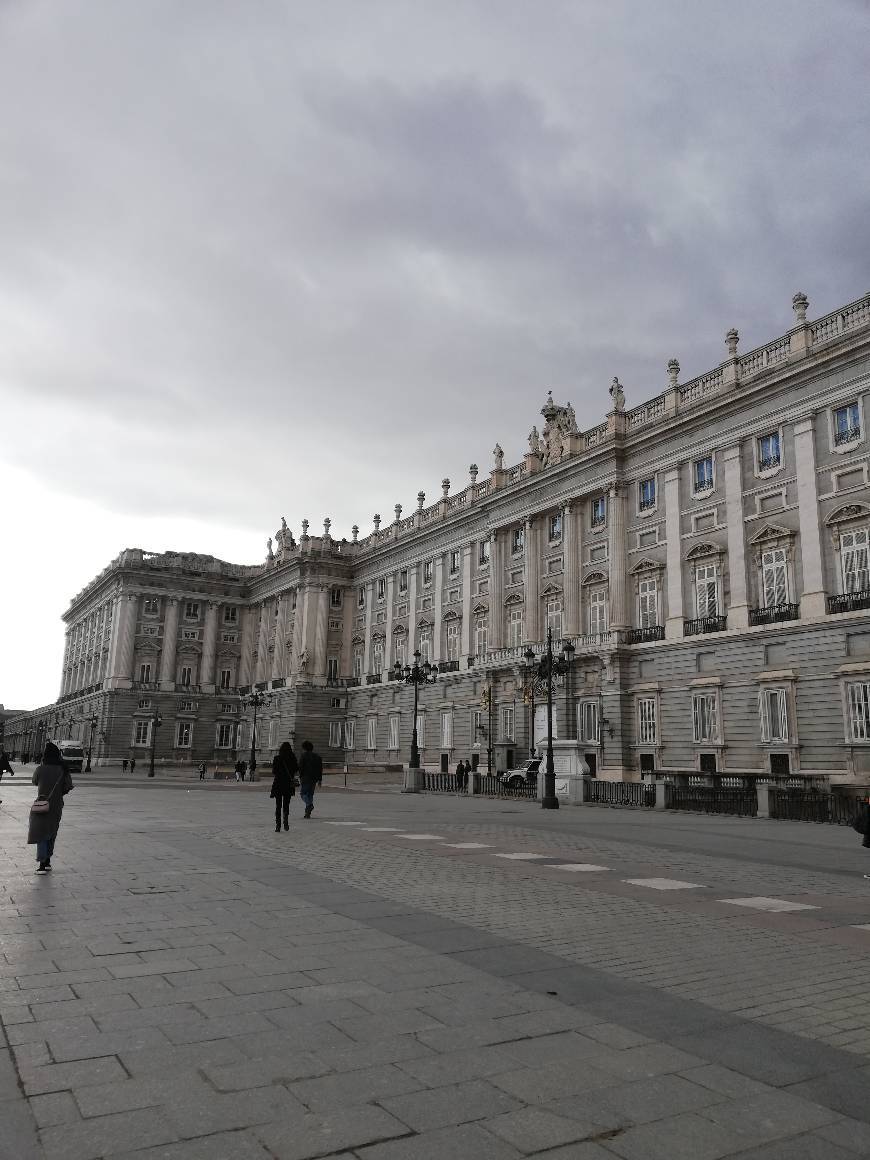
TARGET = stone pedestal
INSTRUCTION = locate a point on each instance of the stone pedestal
(412, 781)
(570, 767)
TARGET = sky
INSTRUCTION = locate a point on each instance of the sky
(271, 258)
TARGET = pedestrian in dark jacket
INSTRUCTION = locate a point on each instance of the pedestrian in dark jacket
(52, 781)
(460, 776)
(284, 767)
(310, 776)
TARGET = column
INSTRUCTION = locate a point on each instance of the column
(413, 574)
(170, 643)
(321, 624)
(261, 673)
(531, 581)
(209, 646)
(438, 609)
(345, 668)
(616, 552)
(367, 646)
(388, 627)
(298, 630)
(280, 651)
(465, 639)
(738, 610)
(571, 548)
(121, 658)
(674, 623)
(247, 645)
(496, 588)
(813, 596)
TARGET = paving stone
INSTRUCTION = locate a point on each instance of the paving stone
(91, 1139)
(762, 1118)
(131, 1094)
(220, 1146)
(454, 1104)
(686, 1137)
(585, 1151)
(286, 1068)
(853, 1135)
(798, 1148)
(458, 1066)
(533, 1129)
(463, 1143)
(18, 1134)
(54, 1108)
(544, 1083)
(844, 1091)
(312, 1135)
(55, 1077)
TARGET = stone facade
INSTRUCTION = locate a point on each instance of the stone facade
(706, 553)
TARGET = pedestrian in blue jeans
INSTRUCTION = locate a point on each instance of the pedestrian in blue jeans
(310, 776)
(52, 781)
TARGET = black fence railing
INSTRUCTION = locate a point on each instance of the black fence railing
(642, 635)
(489, 785)
(847, 435)
(448, 666)
(704, 624)
(775, 614)
(440, 782)
(712, 800)
(813, 806)
(619, 793)
(849, 601)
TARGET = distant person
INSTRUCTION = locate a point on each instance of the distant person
(202, 769)
(5, 767)
(284, 767)
(237, 769)
(461, 777)
(52, 781)
(132, 764)
(124, 765)
(310, 776)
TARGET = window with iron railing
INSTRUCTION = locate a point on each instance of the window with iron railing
(847, 424)
(769, 455)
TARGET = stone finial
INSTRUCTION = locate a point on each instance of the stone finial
(732, 338)
(472, 471)
(305, 529)
(617, 394)
(354, 531)
(421, 499)
(445, 487)
(799, 305)
(398, 510)
(376, 520)
(327, 524)
(673, 372)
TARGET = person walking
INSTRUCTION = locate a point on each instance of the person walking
(52, 781)
(132, 764)
(124, 765)
(5, 767)
(202, 768)
(460, 776)
(284, 767)
(310, 776)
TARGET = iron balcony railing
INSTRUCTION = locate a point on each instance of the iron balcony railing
(619, 793)
(374, 678)
(775, 614)
(704, 624)
(341, 682)
(849, 435)
(849, 601)
(448, 666)
(768, 463)
(279, 682)
(702, 485)
(643, 635)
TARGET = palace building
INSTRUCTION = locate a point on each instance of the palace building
(706, 553)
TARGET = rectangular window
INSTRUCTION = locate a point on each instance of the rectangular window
(705, 727)
(421, 730)
(706, 590)
(648, 602)
(702, 474)
(185, 706)
(399, 650)
(191, 610)
(598, 513)
(357, 663)
(349, 734)
(229, 638)
(378, 656)
(507, 723)
(646, 721)
(371, 733)
(859, 711)
(427, 572)
(149, 630)
(481, 636)
(447, 730)
(334, 734)
(382, 588)
(231, 614)
(273, 733)
(768, 452)
(555, 528)
(774, 577)
(142, 733)
(361, 597)
(335, 597)
(847, 424)
(226, 679)
(394, 733)
(332, 668)
(144, 703)
(588, 723)
(554, 618)
(145, 673)
(454, 563)
(403, 580)
(190, 634)
(483, 552)
(225, 735)
(646, 494)
(425, 645)
(774, 715)
(515, 627)
(227, 707)
(453, 640)
(182, 735)
(186, 675)
(518, 539)
(476, 725)
(854, 560)
(152, 606)
(598, 611)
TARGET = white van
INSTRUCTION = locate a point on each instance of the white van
(72, 753)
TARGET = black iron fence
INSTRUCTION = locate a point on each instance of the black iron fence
(849, 601)
(704, 624)
(489, 785)
(705, 799)
(774, 614)
(440, 782)
(619, 793)
(812, 805)
(644, 635)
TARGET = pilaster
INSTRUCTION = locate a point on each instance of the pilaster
(813, 595)
(247, 646)
(209, 646)
(616, 553)
(279, 650)
(261, 672)
(412, 612)
(320, 631)
(388, 625)
(121, 657)
(531, 581)
(674, 623)
(298, 630)
(496, 588)
(738, 610)
(571, 552)
(465, 639)
(438, 609)
(367, 647)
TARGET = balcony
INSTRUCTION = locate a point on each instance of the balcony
(769, 463)
(374, 678)
(645, 635)
(849, 601)
(775, 614)
(702, 485)
(704, 624)
(279, 682)
(342, 682)
(848, 435)
(448, 666)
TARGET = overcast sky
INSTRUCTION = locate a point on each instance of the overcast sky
(263, 258)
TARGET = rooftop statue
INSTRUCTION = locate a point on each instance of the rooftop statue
(498, 456)
(617, 394)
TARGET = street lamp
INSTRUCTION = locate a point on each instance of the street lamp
(546, 668)
(156, 722)
(256, 699)
(93, 722)
(415, 675)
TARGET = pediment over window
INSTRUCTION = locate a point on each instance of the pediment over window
(551, 590)
(480, 609)
(513, 599)
(377, 636)
(450, 616)
(595, 578)
(647, 565)
(702, 550)
(424, 623)
(849, 511)
(357, 639)
(399, 630)
(772, 532)
(147, 646)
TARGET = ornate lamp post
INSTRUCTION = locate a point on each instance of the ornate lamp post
(93, 721)
(156, 722)
(256, 700)
(546, 668)
(415, 675)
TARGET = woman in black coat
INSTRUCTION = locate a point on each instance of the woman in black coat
(284, 767)
(52, 781)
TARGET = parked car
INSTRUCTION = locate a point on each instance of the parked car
(522, 776)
